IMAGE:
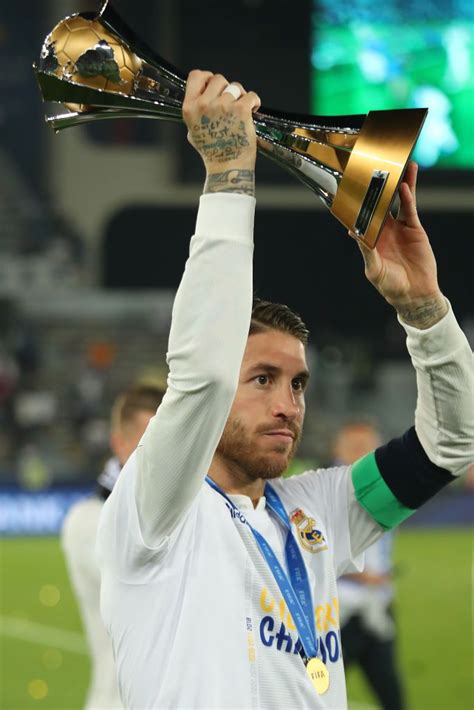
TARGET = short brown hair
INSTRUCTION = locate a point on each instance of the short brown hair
(136, 398)
(276, 316)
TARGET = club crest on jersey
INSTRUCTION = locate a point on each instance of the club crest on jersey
(310, 537)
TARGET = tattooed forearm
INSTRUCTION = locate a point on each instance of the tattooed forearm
(425, 313)
(239, 181)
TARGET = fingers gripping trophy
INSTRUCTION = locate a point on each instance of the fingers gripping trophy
(223, 136)
(93, 67)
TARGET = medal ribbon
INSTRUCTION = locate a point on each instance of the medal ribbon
(296, 590)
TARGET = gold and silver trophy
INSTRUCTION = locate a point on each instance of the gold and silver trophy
(96, 68)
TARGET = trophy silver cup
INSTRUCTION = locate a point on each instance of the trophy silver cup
(95, 66)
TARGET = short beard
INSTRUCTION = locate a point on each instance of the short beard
(237, 448)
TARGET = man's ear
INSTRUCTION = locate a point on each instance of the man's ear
(116, 444)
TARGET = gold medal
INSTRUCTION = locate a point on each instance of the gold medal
(318, 675)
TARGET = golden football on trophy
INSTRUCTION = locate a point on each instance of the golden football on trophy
(88, 54)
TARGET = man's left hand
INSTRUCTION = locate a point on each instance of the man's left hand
(402, 267)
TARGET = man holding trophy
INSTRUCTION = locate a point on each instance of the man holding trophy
(218, 576)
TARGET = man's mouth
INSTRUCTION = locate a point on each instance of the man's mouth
(282, 435)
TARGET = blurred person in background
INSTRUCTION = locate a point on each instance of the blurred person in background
(131, 413)
(365, 598)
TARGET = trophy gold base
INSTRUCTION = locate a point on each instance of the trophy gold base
(374, 170)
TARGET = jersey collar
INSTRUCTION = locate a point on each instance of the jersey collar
(245, 503)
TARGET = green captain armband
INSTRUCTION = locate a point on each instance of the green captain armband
(375, 496)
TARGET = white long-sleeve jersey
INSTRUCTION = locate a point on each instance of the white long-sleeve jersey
(195, 615)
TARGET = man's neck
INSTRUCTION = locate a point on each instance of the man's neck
(234, 481)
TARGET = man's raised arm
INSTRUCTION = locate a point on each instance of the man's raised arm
(211, 312)
(397, 478)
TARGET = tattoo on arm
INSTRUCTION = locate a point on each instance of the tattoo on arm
(425, 314)
(238, 181)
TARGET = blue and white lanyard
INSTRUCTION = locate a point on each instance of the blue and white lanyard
(297, 592)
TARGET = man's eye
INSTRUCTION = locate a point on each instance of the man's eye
(297, 384)
(262, 379)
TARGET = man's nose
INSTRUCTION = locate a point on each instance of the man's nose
(285, 403)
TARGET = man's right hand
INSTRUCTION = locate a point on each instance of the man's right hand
(222, 131)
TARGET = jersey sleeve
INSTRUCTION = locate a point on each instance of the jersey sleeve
(444, 417)
(392, 482)
(209, 329)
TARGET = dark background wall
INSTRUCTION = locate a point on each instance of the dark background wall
(264, 44)
(303, 258)
(21, 120)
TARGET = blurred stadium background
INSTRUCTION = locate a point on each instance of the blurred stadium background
(94, 229)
